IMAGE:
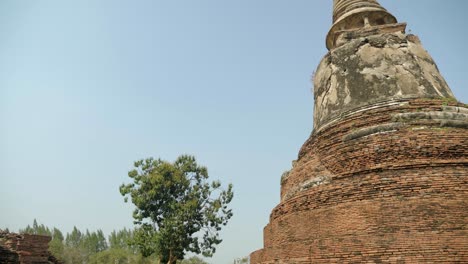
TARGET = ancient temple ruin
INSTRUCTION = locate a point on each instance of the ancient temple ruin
(383, 176)
(25, 249)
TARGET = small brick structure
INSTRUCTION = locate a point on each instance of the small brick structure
(25, 249)
(383, 176)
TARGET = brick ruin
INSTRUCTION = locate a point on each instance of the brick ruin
(383, 176)
(25, 249)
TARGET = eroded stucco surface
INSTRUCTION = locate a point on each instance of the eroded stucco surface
(374, 69)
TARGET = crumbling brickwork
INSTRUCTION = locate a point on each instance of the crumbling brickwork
(392, 195)
(25, 249)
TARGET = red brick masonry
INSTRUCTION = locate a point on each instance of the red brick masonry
(25, 249)
(387, 184)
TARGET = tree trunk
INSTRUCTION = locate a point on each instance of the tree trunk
(172, 259)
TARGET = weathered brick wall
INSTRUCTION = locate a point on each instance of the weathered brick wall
(7, 256)
(25, 249)
(384, 185)
(375, 139)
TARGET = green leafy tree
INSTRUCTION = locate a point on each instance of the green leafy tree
(91, 247)
(177, 209)
(94, 242)
(192, 260)
(101, 241)
(56, 246)
(74, 238)
(118, 256)
(36, 229)
(73, 255)
(122, 240)
(120, 250)
(244, 260)
(75, 251)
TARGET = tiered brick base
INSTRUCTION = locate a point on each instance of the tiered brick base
(387, 184)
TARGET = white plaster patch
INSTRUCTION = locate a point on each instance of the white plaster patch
(333, 91)
(347, 99)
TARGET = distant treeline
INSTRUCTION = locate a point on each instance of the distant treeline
(80, 247)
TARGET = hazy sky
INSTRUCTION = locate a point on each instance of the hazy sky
(89, 86)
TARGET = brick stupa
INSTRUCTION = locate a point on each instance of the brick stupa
(383, 176)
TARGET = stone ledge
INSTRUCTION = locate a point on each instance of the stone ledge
(368, 131)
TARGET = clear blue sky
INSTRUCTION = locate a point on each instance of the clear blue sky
(87, 87)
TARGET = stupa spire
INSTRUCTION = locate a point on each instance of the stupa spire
(358, 15)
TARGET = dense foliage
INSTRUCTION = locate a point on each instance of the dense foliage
(93, 248)
(177, 209)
